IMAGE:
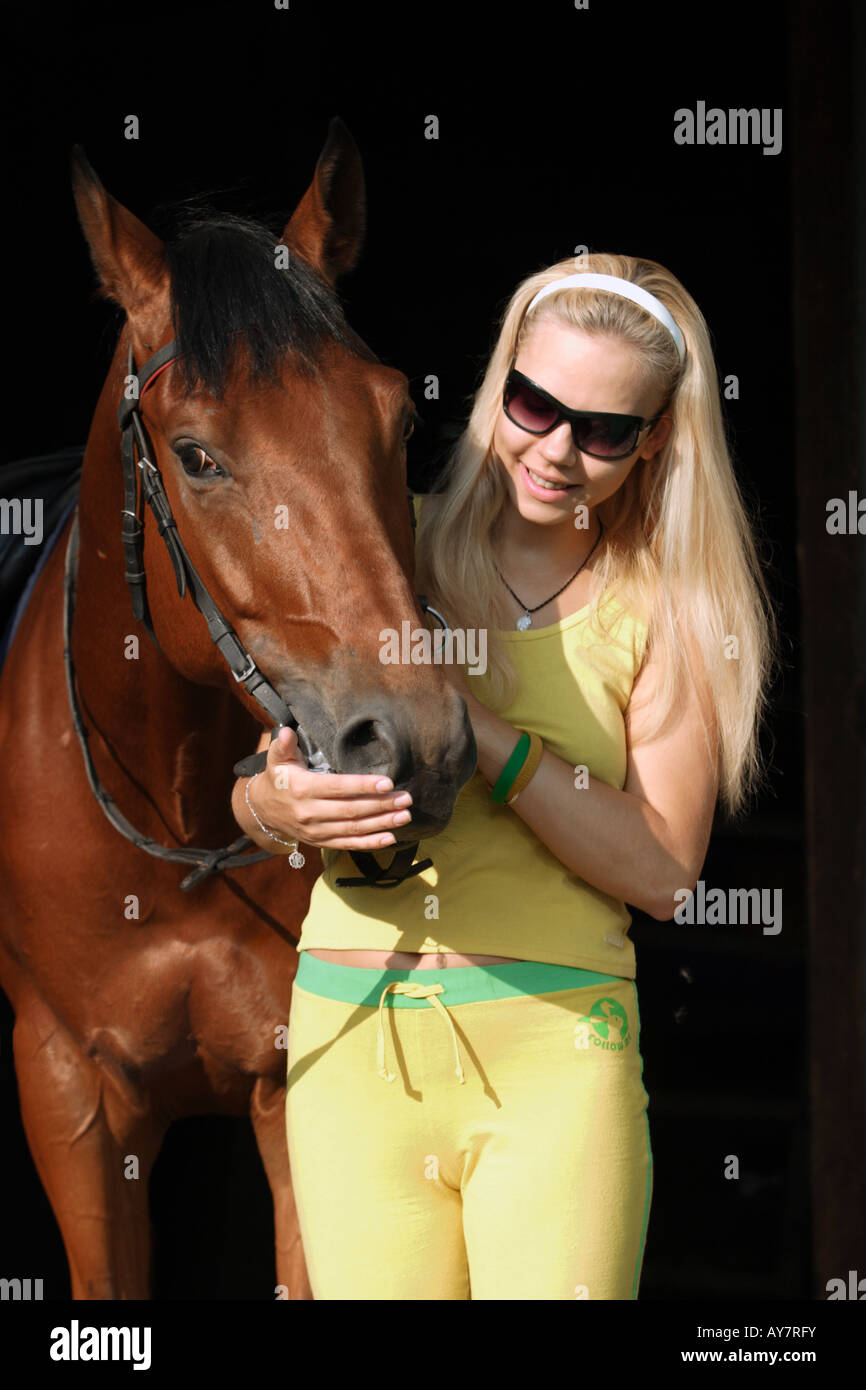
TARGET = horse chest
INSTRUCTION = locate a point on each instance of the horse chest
(174, 1003)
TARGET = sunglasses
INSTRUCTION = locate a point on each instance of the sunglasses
(600, 434)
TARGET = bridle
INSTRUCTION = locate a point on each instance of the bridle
(132, 433)
(133, 437)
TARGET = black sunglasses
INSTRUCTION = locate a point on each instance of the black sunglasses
(600, 434)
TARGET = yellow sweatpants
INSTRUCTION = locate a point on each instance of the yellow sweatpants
(529, 1178)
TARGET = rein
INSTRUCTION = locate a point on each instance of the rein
(207, 861)
(133, 437)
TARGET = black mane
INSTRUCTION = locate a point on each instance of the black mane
(226, 291)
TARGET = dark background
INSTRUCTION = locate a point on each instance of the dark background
(556, 129)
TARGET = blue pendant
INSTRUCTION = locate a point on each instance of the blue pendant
(524, 622)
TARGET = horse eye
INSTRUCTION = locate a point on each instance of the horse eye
(194, 460)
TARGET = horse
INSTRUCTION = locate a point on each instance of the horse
(277, 439)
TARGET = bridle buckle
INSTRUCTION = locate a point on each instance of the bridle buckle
(244, 675)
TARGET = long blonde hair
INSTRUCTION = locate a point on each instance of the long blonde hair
(679, 546)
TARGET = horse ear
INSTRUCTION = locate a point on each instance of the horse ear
(129, 259)
(327, 226)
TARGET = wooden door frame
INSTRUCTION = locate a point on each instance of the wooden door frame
(827, 134)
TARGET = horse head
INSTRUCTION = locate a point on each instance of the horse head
(280, 440)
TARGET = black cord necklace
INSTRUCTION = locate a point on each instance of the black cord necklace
(525, 620)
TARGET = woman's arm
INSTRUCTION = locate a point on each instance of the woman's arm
(241, 812)
(640, 844)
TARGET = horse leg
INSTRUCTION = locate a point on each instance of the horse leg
(83, 1124)
(268, 1115)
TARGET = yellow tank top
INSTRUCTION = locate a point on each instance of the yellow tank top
(494, 888)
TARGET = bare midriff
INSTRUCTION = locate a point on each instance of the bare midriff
(407, 960)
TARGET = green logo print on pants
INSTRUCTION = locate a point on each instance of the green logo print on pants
(605, 1026)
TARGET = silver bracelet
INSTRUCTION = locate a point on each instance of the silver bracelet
(296, 859)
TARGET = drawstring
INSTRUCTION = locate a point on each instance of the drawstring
(415, 991)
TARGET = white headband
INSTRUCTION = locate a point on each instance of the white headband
(621, 287)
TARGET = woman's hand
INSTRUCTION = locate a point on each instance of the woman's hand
(329, 810)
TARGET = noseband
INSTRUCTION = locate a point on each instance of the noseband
(133, 438)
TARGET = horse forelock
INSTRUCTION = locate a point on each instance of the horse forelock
(230, 290)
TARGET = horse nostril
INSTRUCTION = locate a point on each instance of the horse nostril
(367, 744)
(363, 734)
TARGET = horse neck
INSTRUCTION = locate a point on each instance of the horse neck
(163, 747)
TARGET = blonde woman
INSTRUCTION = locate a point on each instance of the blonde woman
(590, 521)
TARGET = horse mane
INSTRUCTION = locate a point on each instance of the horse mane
(226, 291)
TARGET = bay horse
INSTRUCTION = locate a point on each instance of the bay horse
(279, 439)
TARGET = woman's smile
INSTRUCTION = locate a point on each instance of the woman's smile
(538, 486)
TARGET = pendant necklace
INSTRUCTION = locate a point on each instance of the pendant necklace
(525, 620)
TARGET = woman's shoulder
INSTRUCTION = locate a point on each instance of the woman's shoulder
(622, 622)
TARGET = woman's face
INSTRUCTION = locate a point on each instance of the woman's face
(585, 373)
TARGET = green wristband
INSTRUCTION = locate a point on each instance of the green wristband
(519, 754)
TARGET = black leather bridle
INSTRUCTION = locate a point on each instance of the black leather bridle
(132, 433)
(133, 436)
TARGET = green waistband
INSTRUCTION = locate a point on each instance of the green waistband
(463, 984)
